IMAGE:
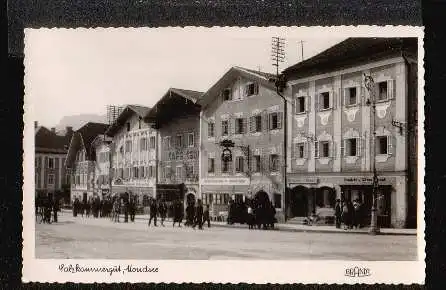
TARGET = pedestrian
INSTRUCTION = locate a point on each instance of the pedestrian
(132, 208)
(162, 209)
(338, 212)
(198, 217)
(351, 211)
(177, 213)
(55, 210)
(345, 215)
(250, 217)
(206, 216)
(153, 212)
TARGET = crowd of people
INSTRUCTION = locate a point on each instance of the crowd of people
(47, 209)
(252, 212)
(350, 214)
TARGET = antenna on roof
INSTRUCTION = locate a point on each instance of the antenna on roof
(302, 49)
(277, 52)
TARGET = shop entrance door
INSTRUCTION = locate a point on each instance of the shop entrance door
(298, 202)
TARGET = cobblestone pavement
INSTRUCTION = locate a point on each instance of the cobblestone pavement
(88, 238)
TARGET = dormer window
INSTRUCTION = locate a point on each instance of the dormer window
(227, 96)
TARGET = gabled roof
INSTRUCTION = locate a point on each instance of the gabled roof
(231, 75)
(350, 52)
(47, 141)
(174, 104)
(84, 137)
(129, 110)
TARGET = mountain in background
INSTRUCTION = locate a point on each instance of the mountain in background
(78, 121)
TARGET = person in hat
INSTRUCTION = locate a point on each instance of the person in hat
(153, 212)
(338, 213)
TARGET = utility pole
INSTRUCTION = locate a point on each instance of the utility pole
(278, 56)
(370, 84)
(302, 49)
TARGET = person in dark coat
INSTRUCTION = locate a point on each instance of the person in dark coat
(338, 212)
(206, 216)
(153, 212)
(190, 211)
(345, 215)
(55, 209)
(198, 218)
(132, 208)
(162, 209)
(177, 213)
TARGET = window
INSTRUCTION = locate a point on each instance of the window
(277, 200)
(128, 126)
(322, 149)
(179, 141)
(274, 162)
(151, 171)
(240, 126)
(227, 96)
(324, 99)
(300, 104)
(275, 120)
(325, 149)
(143, 144)
(225, 127)
(211, 128)
(251, 89)
(50, 163)
(167, 142)
(384, 145)
(226, 166)
(179, 172)
(128, 146)
(190, 140)
(351, 96)
(239, 164)
(51, 179)
(255, 123)
(211, 165)
(256, 163)
(139, 122)
(351, 147)
(167, 172)
(300, 150)
(382, 91)
(152, 142)
(135, 172)
(37, 162)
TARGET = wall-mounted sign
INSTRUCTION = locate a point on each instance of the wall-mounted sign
(364, 180)
(225, 181)
(304, 180)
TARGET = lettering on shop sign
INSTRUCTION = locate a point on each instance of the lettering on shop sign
(357, 272)
(363, 179)
(183, 155)
(225, 181)
(309, 180)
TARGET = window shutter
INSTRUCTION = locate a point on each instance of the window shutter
(231, 124)
(256, 88)
(316, 101)
(265, 122)
(358, 95)
(358, 146)
(245, 90)
(343, 143)
(270, 121)
(331, 99)
(251, 124)
(332, 149)
(390, 90)
(389, 145)
(245, 125)
(279, 120)
(334, 99)
(306, 150)
(47, 163)
(316, 149)
(362, 99)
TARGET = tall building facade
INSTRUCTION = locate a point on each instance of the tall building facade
(334, 147)
(177, 120)
(243, 108)
(103, 169)
(81, 159)
(51, 176)
(133, 154)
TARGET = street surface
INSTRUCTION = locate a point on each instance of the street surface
(88, 238)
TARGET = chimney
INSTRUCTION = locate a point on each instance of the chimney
(36, 124)
(53, 129)
(68, 130)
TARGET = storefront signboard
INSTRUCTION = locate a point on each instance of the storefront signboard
(365, 180)
(225, 181)
(305, 180)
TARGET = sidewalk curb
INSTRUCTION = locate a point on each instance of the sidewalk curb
(279, 227)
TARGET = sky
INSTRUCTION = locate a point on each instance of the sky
(81, 71)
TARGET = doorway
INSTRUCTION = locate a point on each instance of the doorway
(298, 202)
